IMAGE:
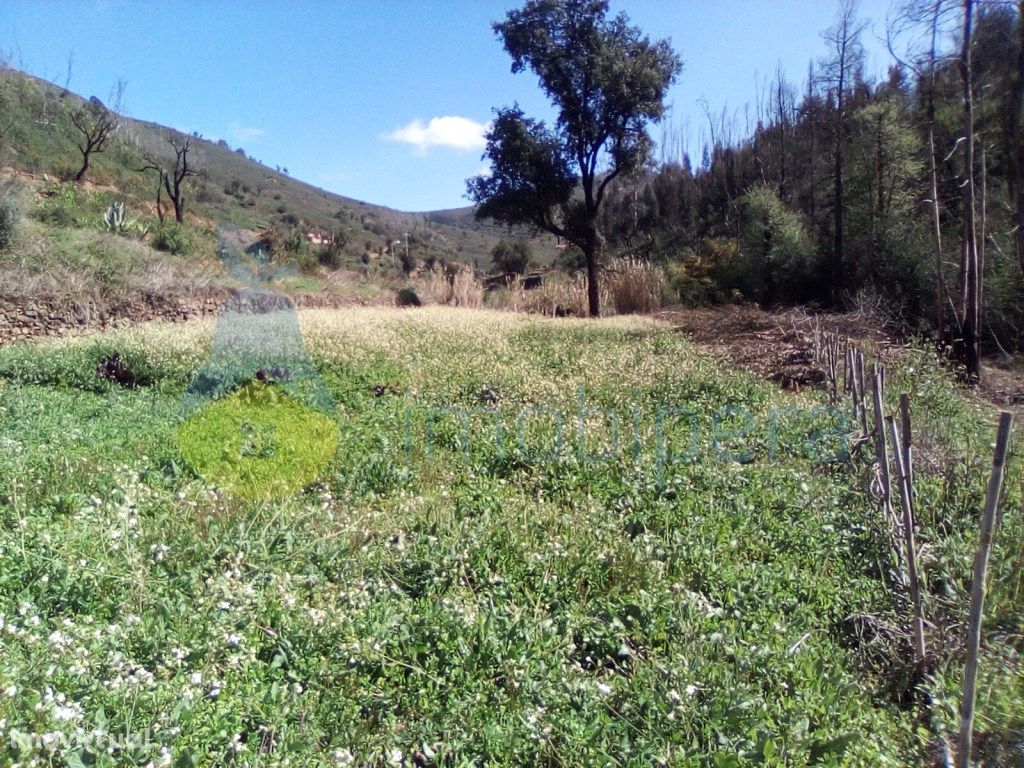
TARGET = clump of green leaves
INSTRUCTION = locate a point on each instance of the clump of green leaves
(63, 205)
(777, 253)
(173, 238)
(511, 256)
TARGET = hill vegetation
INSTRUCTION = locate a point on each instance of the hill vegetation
(422, 537)
(842, 192)
(54, 227)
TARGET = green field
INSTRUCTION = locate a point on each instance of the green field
(656, 560)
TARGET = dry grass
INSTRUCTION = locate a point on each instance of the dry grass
(630, 286)
(636, 286)
(461, 289)
(558, 294)
(466, 290)
(88, 264)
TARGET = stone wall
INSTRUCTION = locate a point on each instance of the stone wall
(24, 318)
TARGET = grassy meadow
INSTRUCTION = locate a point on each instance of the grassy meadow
(654, 561)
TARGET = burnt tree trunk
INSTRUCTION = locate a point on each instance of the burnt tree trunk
(82, 171)
(1017, 139)
(971, 279)
(593, 288)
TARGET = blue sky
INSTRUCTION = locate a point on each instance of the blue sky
(383, 100)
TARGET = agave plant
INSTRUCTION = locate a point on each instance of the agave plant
(115, 217)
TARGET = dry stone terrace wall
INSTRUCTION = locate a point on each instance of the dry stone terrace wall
(24, 318)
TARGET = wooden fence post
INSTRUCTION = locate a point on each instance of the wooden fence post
(882, 457)
(861, 393)
(910, 550)
(988, 519)
(908, 458)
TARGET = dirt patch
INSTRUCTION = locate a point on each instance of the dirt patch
(779, 345)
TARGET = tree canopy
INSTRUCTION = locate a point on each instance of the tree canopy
(607, 81)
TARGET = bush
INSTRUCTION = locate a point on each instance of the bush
(332, 256)
(511, 257)
(777, 252)
(691, 285)
(8, 222)
(407, 298)
(294, 242)
(173, 238)
(307, 262)
(62, 206)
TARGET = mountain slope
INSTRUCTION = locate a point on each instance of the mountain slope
(37, 140)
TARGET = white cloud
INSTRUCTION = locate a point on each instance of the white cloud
(484, 169)
(241, 132)
(448, 131)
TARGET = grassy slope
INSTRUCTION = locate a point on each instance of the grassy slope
(493, 608)
(37, 139)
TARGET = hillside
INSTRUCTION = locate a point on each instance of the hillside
(348, 242)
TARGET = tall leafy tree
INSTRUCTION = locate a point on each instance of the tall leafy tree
(607, 81)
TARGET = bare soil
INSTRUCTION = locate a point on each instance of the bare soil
(779, 345)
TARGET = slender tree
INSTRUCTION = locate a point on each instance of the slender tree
(839, 72)
(970, 278)
(172, 178)
(607, 81)
(94, 124)
(911, 16)
(1017, 138)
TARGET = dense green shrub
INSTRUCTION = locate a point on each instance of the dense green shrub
(777, 254)
(1004, 298)
(407, 297)
(307, 262)
(294, 242)
(63, 205)
(511, 256)
(690, 285)
(331, 256)
(173, 238)
(9, 216)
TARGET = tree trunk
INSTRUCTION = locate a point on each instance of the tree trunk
(971, 311)
(837, 180)
(85, 167)
(593, 287)
(940, 282)
(179, 209)
(1017, 160)
(837, 234)
(159, 201)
